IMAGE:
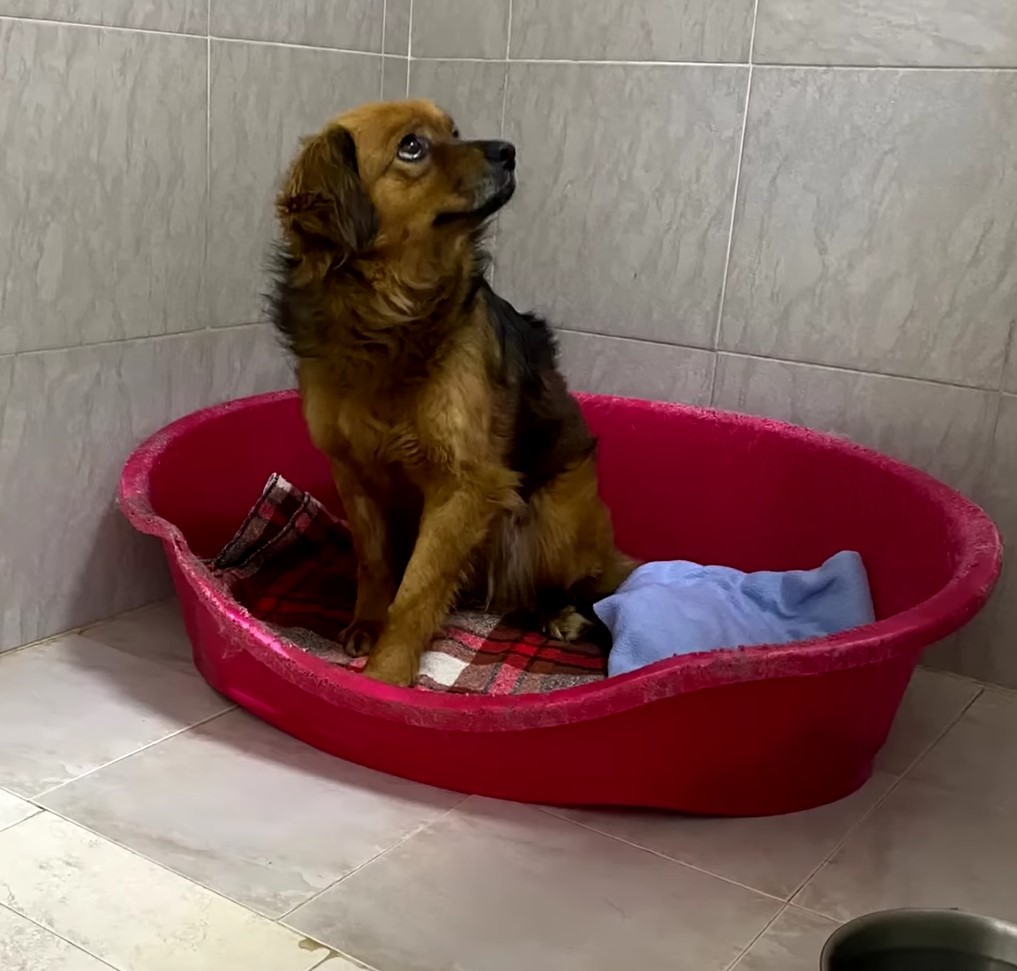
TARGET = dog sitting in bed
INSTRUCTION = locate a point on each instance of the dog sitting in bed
(465, 468)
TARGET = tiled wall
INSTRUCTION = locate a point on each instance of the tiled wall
(799, 208)
(802, 208)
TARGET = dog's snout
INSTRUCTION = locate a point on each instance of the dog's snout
(501, 153)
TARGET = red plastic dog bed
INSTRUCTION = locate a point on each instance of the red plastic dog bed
(734, 732)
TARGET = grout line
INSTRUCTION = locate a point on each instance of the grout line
(815, 913)
(734, 198)
(409, 49)
(119, 28)
(896, 375)
(946, 730)
(1004, 370)
(60, 937)
(505, 79)
(377, 856)
(70, 631)
(848, 370)
(291, 46)
(713, 379)
(552, 811)
(565, 61)
(748, 947)
(634, 340)
(92, 624)
(1007, 351)
(193, 332)
(384, 18)
(726, 64)
(115, 28)
(858, 823)
(335, 952)
(35, 810)
(208, 157)
(508, 33)
(105, 838)
(120, 758)
(910, 68)
(989, 456)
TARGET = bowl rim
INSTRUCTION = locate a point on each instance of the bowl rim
(951, 920)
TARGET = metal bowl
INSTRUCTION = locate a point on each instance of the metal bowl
(922, 940)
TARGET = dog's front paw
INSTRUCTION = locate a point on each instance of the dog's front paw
(360, 637)
(392, 666)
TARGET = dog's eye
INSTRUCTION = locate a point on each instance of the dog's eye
(413, 148)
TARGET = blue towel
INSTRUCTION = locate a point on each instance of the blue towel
(670, 608)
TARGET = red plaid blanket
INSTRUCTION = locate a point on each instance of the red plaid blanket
(292, 566)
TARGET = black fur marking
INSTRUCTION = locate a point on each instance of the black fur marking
(289, 309)
(549, 433)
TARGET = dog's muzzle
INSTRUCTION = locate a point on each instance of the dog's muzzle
(499, 181)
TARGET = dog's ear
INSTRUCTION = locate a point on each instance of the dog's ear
(323, 206)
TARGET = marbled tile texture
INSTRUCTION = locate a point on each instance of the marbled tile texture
(832, 241)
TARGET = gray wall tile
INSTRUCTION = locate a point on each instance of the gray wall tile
(635, 369)
(944, 430)
(6, 374)
(472, 92)
(102, 187)
(68, 556)
(874, 228)
(187, 16)
(353, 25)
(397, 26)
(985, 649)
(264, 99)
(978, 33)
(636, 30)
(393, 78)
(619, 226)
(247, 360)
(460, 28)
(1010, 374)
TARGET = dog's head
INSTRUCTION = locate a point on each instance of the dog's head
(391, 176)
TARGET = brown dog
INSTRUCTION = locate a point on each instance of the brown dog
(465, 467)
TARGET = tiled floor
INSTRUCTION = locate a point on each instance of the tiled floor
(147, 825)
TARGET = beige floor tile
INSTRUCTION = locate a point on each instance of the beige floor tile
(74, 704)
(132, 913)
(249, 811)
(945, 836)
(793, 942)
(978, 756)
(25, 946)
(924, 847)
(931, 702)
(13, 810)
(773, 854)
(154, 633)
(499, 887)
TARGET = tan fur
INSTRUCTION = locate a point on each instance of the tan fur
(397, 391)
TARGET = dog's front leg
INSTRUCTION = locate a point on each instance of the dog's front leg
(455, 520)
(375, 576)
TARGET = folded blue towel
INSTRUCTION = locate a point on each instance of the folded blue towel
(676, 607)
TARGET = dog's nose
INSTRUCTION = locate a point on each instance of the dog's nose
(503, 153)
